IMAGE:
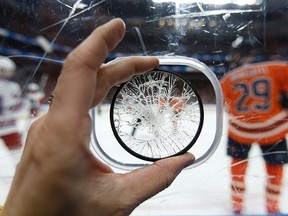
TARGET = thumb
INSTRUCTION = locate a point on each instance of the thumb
(148, 181)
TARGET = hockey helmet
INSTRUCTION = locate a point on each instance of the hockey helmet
(7, 67)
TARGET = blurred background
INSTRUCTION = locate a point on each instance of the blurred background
(225, 34)
(217, 34)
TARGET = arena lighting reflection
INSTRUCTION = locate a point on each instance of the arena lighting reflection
(219, 2)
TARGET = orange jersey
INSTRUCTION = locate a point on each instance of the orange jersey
(252, 99)
(176, 104)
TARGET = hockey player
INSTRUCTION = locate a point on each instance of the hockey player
(256, 100)
(176, 104)
(36, 97)
(9, 104)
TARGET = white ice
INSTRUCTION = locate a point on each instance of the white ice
(204, 190)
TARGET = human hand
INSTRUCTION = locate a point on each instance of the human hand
(57, 174)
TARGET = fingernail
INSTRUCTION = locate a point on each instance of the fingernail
(191, 159)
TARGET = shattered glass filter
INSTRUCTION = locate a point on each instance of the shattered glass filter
(156, 115)
(147, 113)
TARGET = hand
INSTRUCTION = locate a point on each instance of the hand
(57, 174)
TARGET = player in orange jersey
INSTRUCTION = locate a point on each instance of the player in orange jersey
(176, 104)
(256, 101)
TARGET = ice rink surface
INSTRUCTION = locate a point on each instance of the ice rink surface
(203, 190)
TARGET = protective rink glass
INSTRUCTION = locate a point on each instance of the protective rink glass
(156, 115)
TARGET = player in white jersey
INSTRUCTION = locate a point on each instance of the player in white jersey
(10, 103)
(35, 96)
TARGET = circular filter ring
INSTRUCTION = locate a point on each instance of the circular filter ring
(156, 115)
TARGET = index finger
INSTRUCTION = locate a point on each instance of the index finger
(75, 86)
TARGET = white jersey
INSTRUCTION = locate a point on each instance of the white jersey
(35, 95)
(10, 103)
